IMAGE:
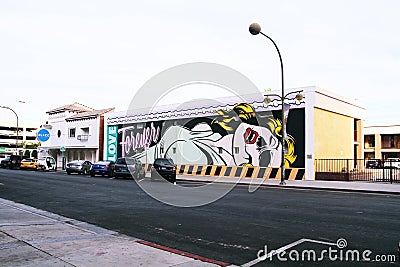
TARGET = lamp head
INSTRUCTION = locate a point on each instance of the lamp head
(299, 97)
(255, 28)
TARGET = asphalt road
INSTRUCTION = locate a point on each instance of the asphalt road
(232, 229)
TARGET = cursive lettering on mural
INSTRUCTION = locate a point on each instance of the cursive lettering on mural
(132, 140)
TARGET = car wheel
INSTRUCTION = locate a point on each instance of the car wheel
(69, 173)
(85, 171)
(92, 174)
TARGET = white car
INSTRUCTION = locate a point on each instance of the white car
(392, 163)
(46, 164)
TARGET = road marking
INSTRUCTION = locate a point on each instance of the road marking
(281, 249)
(1, 184)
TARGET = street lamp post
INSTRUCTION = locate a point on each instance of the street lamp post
(255, 29)
(16, 142)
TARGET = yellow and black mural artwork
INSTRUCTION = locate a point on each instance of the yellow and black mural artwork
(236, 137)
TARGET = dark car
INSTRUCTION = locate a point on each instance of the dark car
(165, 168)
(14, 161)
(102, 168)
(5, 162)
(128, 167)
(78, 166)
(373, 164)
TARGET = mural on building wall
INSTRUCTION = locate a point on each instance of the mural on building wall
(237, 137)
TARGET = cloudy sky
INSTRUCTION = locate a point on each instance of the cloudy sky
(99, 53)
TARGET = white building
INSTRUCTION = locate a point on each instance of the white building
(76, 132)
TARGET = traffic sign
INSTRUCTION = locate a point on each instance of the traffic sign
(2, 149)
(43, 135)
(63, 149)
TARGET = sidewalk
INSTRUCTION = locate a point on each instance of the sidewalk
(365, 187)
(32, 237)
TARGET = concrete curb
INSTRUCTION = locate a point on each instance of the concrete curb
(356, 187)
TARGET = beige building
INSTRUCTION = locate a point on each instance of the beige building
(382, 141)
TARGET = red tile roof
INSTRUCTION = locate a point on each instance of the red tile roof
(89, 114)
(71, 107)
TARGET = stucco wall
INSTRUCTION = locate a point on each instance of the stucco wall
(333, 135)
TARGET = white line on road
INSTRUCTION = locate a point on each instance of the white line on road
(281, 249)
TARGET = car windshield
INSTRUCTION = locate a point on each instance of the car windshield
(164, 161)
(77, 162)
(27, 160)
(102, 162)
(121, 161)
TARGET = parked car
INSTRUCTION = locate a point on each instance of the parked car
(14, 161)
(373, 164)
(103, 168)
(28, 164)
(392, 163)
(165, 168)
(128, 167)
(3, 157)
(5, 162)
(46, 163)
(78, 166)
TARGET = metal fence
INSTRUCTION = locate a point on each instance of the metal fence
(370, 170)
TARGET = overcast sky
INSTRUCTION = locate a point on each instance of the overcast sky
(99, 53)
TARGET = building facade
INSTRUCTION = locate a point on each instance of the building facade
(75, 133)
(319, 125)
(382, 141)
(27, 141)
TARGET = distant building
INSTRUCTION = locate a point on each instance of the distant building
(26, 138)
(76, 132)
(382, 141)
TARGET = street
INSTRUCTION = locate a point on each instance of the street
(232, 229)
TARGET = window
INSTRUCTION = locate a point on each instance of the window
(71, 132)
(388, 141)
(236, 150)
(369, 141)
(174, 150)
(220, 150)
(85, 130)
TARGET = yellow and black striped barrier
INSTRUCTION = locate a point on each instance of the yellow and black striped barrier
(238, 171)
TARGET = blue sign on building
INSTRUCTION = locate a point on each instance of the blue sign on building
(43, 135)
